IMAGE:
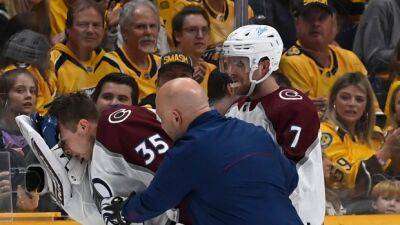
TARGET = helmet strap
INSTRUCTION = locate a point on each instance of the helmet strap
(253, 82)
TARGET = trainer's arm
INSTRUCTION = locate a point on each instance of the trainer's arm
(175, 178)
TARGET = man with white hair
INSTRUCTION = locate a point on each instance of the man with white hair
(139, 22)
(250, 54)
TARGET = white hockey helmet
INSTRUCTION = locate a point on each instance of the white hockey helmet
(254, 42)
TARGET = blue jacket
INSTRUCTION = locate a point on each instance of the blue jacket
(230, 172)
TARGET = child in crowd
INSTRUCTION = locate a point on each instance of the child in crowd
(386, 197)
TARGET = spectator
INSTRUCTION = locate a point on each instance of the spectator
(173, 65)
(346, 139)
(239, 150)
(139, 23)
(18, 91)
(58, 15)
(394, 109)
(286, 114)
(115, 89)
(386, 197)
(381, 18)
(190, 31)
(79, 64)
(278, 13)
(395, 77)
(30, 50)
(313, 64)
(391, 145)
(348, 14)
(222, 19)
(36, 14)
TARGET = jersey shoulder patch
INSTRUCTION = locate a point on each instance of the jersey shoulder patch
(326, 140)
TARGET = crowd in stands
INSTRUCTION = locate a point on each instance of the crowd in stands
(344, 55)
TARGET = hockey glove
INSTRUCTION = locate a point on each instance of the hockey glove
(111, 210)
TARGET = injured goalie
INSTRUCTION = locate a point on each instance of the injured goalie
(80, 171)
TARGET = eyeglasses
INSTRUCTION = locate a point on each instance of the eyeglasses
(196, 30)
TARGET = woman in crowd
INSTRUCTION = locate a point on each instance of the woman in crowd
(393, 135)
(346, 139)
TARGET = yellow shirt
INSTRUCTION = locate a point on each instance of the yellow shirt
(204, 82)
(345, 154)
(46, 87)
(395, 84)
(73, 75)
(58, 15)
(221, 24)
(308, 76)
(146, 79)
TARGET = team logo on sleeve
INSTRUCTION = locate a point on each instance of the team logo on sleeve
(326, 140)
(119, 116)
(289, 94)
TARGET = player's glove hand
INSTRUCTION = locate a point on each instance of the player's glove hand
(111, 210)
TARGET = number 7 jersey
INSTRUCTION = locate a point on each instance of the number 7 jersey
(292, 121)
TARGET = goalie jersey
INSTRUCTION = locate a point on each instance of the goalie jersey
(291, 119)
(130, 146)
(133, 146)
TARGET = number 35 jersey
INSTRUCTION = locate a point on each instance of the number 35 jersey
(292, 121)
(133, 146)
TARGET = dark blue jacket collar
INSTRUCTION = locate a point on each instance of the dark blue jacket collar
(203, 118)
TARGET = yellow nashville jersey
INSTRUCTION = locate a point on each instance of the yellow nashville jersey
(46, 87)
(58, 15)
(308, 76)
(145, 78)
(345, 154)
(73, 75)
(204, 83)
(395, 84)
(221, 24)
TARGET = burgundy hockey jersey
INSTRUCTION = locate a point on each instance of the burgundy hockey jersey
(132, 146)
(292, 120)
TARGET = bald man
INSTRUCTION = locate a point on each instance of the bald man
(228, 171)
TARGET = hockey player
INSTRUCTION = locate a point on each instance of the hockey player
(130, 147)
(250, 54)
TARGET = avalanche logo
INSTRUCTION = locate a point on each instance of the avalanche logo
(261, 30)
(289, 94)
(119, 116)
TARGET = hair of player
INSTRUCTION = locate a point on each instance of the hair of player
(127, 13)
(217, 85)
(281, 79)
(71, 108)
(365, 125)
(386, 189)
(118, 78)
(179, 18)
(7, 82)
(80, 6)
